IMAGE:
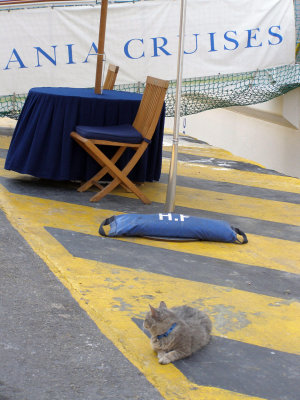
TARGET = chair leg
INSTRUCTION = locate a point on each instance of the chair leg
(120, 177)
(97, 184)
(92, 181)
(111, 186)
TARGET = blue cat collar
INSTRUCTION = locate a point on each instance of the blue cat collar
(166, 334)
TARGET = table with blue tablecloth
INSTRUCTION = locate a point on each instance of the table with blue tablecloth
(41, 145)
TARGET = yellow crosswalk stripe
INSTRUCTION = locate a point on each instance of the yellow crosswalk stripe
(203, 150)
(261, 251)
(4, 142)
(98, 298)
(96, 287)
(251, 207)
(247, 178)
(113, 295)
(273, 182)
(249, 317)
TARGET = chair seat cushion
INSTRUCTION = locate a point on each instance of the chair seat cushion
(115, 133)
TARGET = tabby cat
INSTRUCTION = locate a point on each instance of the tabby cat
(177, 332)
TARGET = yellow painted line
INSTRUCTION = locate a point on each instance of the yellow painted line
(104, 290)
(204, 149)
(254, 316)
(4, 142)
(282, 255)
(14, 175)
(247, 178)
(99, 287)
(261, 251)
(211, 152)
(278, 254)
(243, 316)
(244, 206)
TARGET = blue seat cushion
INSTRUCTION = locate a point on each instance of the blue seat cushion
(115, 133)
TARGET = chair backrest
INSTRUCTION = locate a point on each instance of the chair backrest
(111, 76)
(150, 107)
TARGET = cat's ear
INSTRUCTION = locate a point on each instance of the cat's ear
(153, 311)
(162, 305)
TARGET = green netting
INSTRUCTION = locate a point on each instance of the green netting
(205, 93)
(11, 106)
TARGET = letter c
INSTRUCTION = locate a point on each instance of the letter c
(126, 49)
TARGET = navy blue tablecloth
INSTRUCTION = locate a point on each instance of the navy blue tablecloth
(41, 145)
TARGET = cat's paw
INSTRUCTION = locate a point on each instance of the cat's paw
(164, 359)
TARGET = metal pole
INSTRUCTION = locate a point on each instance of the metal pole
(171, 191)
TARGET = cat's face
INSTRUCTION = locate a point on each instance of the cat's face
(157, 318)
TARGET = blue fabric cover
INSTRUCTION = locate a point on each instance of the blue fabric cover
(171, 226)
(116, 133)
(41, 144)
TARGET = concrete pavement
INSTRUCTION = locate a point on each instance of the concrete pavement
(50, 349)
(73, 302)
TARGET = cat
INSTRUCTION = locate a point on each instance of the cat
(177, 332)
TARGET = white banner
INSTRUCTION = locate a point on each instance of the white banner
(57, 46)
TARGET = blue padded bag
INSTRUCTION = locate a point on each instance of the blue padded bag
(171, 226)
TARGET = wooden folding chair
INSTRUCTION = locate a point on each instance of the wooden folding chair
(136, 136)
(111, 77)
